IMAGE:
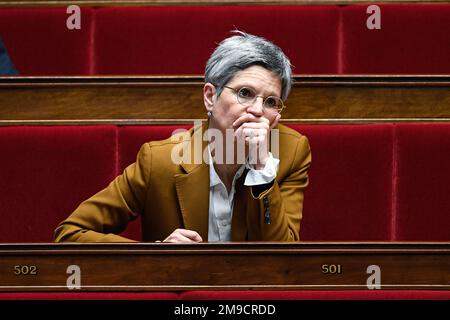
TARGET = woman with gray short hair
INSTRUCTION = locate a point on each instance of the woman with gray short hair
(246, 185)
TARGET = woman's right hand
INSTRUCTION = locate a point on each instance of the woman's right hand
(183, 236)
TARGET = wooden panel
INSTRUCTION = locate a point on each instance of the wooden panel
(210, 266)
(147, 100)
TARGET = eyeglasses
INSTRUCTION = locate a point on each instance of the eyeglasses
(247, 97)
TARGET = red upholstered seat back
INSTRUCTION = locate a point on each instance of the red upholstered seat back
(350, 191)
(413, 39)
(423, 174)
(46, 172)
(179, 39)
(39, 42)
(174, 40)
(367, 182)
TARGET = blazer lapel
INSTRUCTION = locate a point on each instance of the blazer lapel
(193, 188)
(193, 198)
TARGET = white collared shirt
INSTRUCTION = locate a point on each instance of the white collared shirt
(221, 203)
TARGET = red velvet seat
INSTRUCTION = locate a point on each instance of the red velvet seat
(413, 39)
(349, 196)
(46, 172)
(423, 176)
(179, 40)
(367, 182)
(39, 42)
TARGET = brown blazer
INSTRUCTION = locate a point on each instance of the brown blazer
(168, 196)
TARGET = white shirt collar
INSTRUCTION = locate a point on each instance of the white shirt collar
(214, 177)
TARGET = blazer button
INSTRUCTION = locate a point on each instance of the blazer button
(267, 217)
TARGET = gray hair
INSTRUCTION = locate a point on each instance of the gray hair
(241, 51)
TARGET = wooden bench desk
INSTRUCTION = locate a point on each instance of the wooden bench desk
(225, 266)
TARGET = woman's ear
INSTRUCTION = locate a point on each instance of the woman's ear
(209, 96)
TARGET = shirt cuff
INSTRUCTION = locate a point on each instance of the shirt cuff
(266, 175)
